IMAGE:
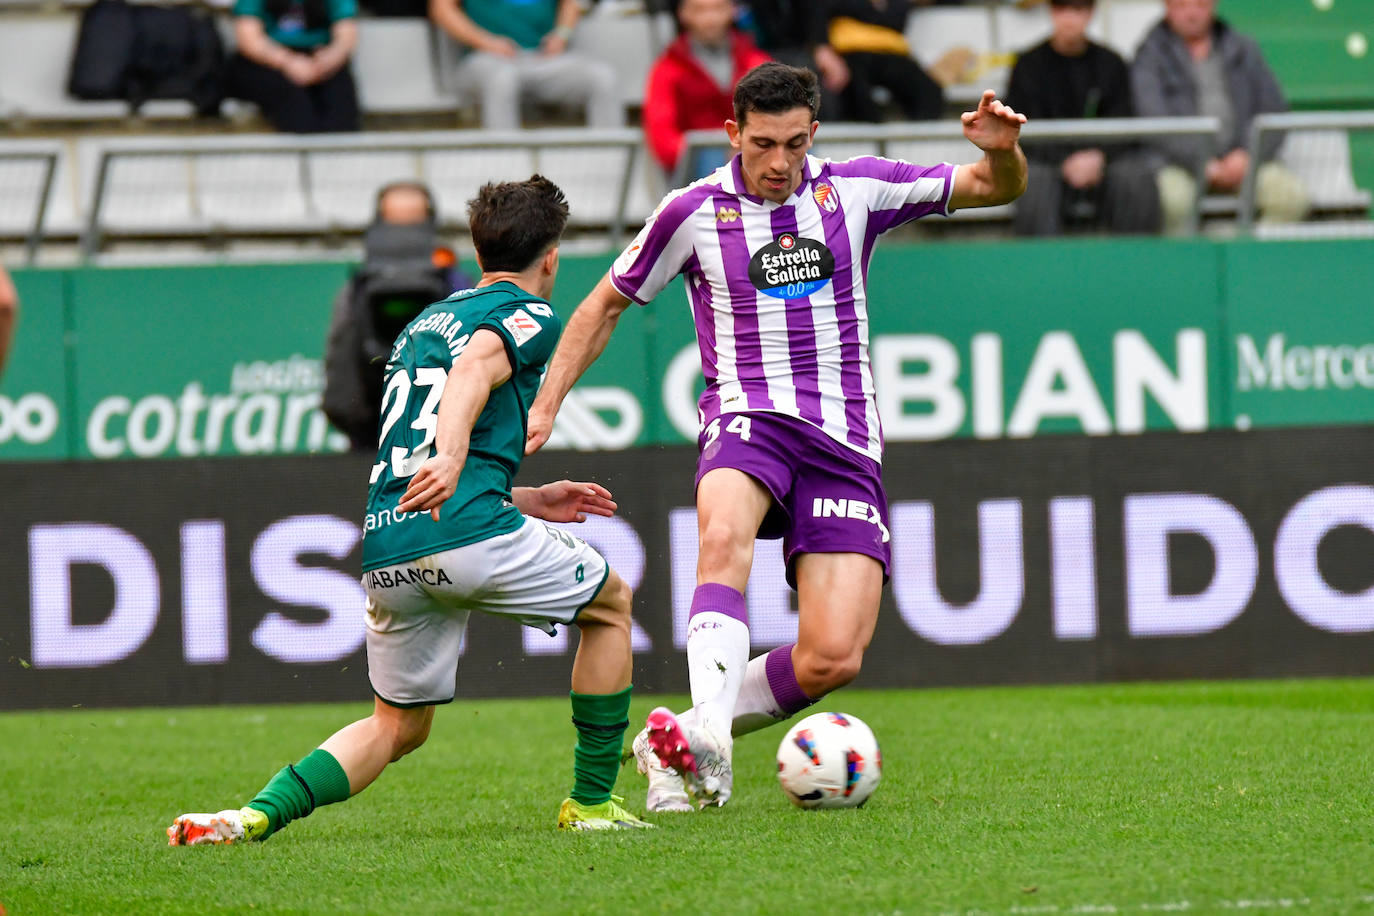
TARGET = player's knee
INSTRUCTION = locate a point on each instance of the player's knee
(723, 548)
(611, 606)
(820, 672)
(408, 733)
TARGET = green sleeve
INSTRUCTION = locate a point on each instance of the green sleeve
(255, 8)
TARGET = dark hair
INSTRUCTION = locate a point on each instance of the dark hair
(774, 88)
(514, 222)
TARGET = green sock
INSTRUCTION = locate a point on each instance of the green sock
(601, 720)
(297, 790)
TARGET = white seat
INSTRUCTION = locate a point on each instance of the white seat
(455, 175)
(394, 68)
(934, 30)
(149, 194)
(590, 177)
(1127, 21)
(343, 185)
(21, 189)
(840, 150)
(1321, 158)
(626, 39)
(35, 55)
(253, 191)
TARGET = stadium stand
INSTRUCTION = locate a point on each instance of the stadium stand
(168, 174)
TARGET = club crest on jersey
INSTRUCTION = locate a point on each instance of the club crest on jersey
(727, 215)
(791, 267)
(521, 326)
(825, 197)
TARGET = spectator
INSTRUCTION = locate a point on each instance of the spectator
(9, 315)
(1192, 63)
(1101, 185)
(404, 269)
(793, 32)
(691, 86)
(870, 36)
(518, 50)
(292, 62)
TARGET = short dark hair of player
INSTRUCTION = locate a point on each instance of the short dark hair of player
(514, 222)
(774, 88)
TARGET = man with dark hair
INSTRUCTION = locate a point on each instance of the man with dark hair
(445, 535)
(774, 248)
(1110, 186)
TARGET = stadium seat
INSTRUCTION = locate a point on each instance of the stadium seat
(933, 31)
(35, 53)
(149, 194)
(249, 192)
(1321, 158)
(591, 178)
(395, 69)
(343, 186)
(455, 175)
(21, 184)
(624, 36)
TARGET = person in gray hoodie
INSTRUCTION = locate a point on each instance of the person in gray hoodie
(1193, 63)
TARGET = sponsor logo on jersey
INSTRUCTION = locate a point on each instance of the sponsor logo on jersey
(857, 509)
(406, 575)
(521, 325)
(825, 197)
(727, 215)
(791, 267)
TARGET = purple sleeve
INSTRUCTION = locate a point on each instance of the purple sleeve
(897, 191)
(661, 248)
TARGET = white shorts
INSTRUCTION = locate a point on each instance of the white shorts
(417, 611)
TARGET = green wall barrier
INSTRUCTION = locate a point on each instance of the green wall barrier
(983, 340)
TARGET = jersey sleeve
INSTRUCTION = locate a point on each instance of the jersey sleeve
(898, 192)
(661, 248)
(529, 328)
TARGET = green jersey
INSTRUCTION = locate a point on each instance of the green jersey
(415, 376)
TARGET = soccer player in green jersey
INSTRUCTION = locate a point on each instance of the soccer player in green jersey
(446, 534)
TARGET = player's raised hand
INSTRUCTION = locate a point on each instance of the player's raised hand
(993, 125)
(571, 501)
(432, 485)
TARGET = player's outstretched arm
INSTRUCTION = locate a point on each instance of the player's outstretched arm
(583, 339)
(1000, 176)
(564, 501)
(482, 366)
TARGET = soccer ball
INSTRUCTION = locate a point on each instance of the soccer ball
(829, 760)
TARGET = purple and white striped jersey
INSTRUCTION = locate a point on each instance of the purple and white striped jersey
(779, 291)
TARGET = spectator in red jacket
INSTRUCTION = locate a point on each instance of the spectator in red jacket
(691, 86)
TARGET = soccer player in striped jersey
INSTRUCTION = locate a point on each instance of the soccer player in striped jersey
(774, 247)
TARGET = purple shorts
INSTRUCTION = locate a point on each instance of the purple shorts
(826, 498)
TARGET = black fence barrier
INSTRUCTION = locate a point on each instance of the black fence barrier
(1050, 560)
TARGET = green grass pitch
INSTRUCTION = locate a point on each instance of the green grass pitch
(1197, 798)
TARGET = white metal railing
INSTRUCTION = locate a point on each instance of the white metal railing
(1304, 129)
(32, 196)
(186, 167)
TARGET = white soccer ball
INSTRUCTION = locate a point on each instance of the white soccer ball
(829, 760)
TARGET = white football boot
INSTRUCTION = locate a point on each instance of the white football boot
(666, 791)
(694, 751)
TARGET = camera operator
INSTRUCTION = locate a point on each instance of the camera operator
(405, 268)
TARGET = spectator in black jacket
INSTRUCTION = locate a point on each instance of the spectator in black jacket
(793, 31)
(870, 36)
(1088, 185)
